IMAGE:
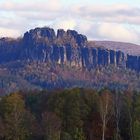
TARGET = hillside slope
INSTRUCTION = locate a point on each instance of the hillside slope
(43, 59)
(128, 48)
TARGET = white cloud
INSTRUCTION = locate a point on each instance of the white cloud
(4, 32)
(49, 5)
(65, 24)
(117, 32)
(111, 22)
(109, 13)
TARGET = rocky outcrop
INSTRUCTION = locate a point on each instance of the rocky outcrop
(133, 62)
(66, 47)
(43, 59)
(9, 49)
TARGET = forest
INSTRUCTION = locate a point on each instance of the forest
(70, 114)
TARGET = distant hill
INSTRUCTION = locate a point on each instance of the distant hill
(128, 48)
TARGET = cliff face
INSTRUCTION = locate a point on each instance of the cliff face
(47, 59)
(9, 50)
(69, 47)
(65, 47)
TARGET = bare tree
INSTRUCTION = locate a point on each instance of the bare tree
(106, 109)
(117, 111)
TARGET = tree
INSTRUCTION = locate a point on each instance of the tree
(2, 129)
(137, 130)
(136, 126)
(78, 134)
(72, 112)
(33, 126)
(14, 117)
(106, 109)
(66, 136)
(117, 110)
(51, 126)
(129, 108)
(92, 127)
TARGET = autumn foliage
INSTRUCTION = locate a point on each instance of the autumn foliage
(74, 114)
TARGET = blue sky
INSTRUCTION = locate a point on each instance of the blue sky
(117, 20)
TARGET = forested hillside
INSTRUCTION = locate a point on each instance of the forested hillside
(43, 59)
(72, 114)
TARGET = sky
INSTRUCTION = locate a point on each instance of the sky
(116, 20)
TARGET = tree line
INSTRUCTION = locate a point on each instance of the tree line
(70, 114)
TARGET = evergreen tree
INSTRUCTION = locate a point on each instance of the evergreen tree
(78, 134)
(14, 117)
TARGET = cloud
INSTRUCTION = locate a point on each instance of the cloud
(26, 6)
(110, 22)
(65, 24)
(4, 32)
(109, 13)
(108, 31)
(117, 32)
